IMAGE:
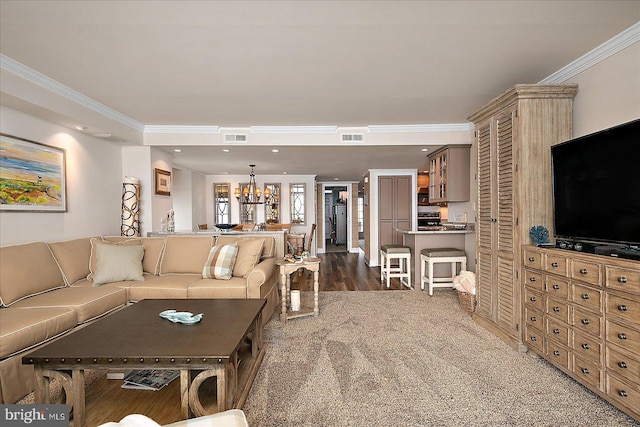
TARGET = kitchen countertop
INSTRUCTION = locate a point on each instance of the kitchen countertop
(439, 230)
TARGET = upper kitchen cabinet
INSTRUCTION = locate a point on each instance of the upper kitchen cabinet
(449, 174)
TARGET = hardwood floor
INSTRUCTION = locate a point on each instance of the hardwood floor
(343, 271)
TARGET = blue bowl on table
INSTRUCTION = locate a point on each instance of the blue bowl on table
(225, 226)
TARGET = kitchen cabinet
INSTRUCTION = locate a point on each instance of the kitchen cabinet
(514, 133)
(449, 174)
(394, 208)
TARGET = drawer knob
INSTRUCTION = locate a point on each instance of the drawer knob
(534, 319)
(556, 309)
(585, 296)
(622, 279)
(622, 393)
(585, 371)
(623, 365)
(585, 321)
(554, 264)
(532, 299)
(556, 353)
(532, 279)
(534, 338)
(622, 307)
(556, 331)
(622, 336)
(585, 346)
(556, 287)
(583, 271)
(531, 259)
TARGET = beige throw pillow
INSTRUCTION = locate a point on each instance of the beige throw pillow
(116, 263)
(249, 251)
(95, 241)
(220, 263)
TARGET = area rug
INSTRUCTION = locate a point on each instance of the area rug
(402, 358)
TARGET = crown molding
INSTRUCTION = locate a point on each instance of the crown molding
(20, 70)
(445, 127)
(177, 129)
(294, 129)
(612, 46)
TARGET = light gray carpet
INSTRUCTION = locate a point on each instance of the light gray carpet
(400, 358)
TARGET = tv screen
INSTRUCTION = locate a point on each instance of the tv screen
(596, 186)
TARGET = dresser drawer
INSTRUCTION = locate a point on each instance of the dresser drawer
(622, 392)
(586, 347)
(587, 297)
(623, 366)
(624, 279)
(533, 299)
(557, 355)
(534, 339)
(623, 336)
(556, 264)
(533, 259)
(558, 331)
(533, 318)
(557, 287)
(590, 272)
(587, 371)
(585, 321)
(557, 309)
(534, 280)
(623, 308)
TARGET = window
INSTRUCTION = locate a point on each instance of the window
(361, 213)
(298, 206)
(247, 211)
(272, 205)
(221, 205)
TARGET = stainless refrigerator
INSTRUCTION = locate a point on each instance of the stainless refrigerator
(340, 221)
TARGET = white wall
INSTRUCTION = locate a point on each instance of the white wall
(608, 93)
(199, 201)
(160, 205)
(182, 194)
(94, 185)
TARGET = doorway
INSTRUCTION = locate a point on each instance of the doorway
(336, 219)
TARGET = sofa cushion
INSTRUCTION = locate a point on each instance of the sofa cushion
(23, 328)
(185, 254)
(73, 258)
(236, 287)
(249, 252)
(163, 287)
(95, 241)
(116, 263)
(220, 263)
(268, 249)
(27, 270)
(87, 302)
(153, 247)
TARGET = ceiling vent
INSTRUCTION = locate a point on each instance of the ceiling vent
(352, 137)
(235, 137)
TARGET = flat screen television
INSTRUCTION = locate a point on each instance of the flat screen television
(596, 186)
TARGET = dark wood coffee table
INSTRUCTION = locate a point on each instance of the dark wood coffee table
(136, 337)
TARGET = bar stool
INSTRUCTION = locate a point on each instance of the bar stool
(429, 257)
(403, 271)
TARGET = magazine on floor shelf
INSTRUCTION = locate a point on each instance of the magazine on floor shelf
(149, 379)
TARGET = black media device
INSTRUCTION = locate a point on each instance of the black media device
(596, 192)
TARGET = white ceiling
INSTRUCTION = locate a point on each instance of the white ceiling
(300, 63)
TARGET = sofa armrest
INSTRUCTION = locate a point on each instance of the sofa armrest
(259, 275)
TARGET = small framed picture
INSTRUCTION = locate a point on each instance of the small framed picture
(163, 182)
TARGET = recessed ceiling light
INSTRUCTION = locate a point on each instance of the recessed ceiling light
(275, 150)
(336, 179)
(425, 149)
(79, 127)
(177, 150)
(284, 173)
(226, 150)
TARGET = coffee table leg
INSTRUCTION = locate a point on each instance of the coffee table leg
(316, 311)
(77, 381)
(185, 383)
(283, 292)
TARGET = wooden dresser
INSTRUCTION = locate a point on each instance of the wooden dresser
(582, 313)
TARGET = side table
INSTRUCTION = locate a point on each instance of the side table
(286, 268)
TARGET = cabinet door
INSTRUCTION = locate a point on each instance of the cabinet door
(484, 234)
(386, 190)
(403, 199)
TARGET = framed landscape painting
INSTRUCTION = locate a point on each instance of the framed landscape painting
(163, 182)
(32, 176)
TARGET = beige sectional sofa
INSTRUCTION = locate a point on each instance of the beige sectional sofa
(47, 289)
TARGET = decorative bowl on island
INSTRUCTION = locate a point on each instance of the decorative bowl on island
(225, 226)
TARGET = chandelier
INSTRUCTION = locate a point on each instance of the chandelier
(251, 194)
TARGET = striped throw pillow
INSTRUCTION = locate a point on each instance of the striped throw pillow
(220, 262)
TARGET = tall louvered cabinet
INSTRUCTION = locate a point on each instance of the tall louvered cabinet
(514, 133)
